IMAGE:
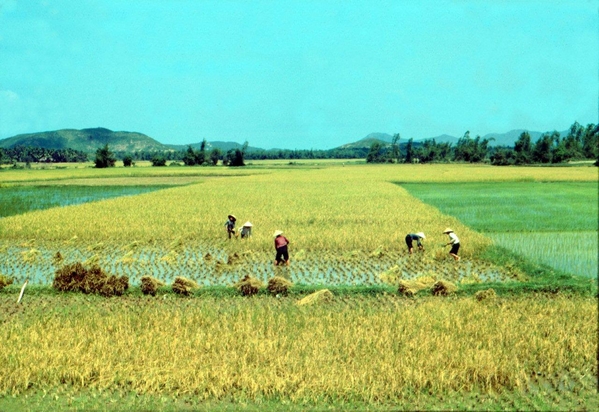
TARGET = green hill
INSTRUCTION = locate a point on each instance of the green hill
(85, 140)
(222, 146)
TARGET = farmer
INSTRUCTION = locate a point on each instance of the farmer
(454, 242)
(418, 238)
(246, 230)
(230, 225)
(281, 243)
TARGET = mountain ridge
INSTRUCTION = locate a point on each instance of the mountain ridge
(90, 139)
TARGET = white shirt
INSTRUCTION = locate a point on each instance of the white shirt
(453, 238)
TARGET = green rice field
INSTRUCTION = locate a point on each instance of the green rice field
(15, 200)
(553, 223)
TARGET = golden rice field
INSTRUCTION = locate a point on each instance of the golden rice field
(327, 214)
(382, 350)
(346, 224)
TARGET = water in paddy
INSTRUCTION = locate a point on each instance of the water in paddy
(211, 266)
(22, 199)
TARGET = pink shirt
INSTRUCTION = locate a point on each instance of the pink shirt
(281, 241)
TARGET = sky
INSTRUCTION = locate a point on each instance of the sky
(312, 74)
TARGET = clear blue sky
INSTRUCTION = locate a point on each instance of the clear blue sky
(297, 74)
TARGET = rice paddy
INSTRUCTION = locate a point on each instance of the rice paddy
(553, 223)
(570, 252)
(20, 199)
(384, 350)
(346, 224)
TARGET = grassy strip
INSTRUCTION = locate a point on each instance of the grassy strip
(126, 401)
(556, 283)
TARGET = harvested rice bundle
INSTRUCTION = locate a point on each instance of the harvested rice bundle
(279, 285)
(391, 276)
(184, 286)
(5, 281)
(150, 285)
(411, 287)
(77, 278)
(378, 253)
(443, 288)
(69, 277)
(321, 296)
(94, 280)
(115, 286)
(233, 259)
(249, 285)
(57, 258)
(487, 295)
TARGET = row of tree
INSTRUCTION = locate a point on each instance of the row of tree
(32, 154)
(580, 143)
(234, 157)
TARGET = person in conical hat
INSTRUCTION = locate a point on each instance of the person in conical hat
(410, 237)
(454, 241)
(246, 230)
(281, 242)
(230, 226)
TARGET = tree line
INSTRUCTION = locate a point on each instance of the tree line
(32, 154)
(580, 143)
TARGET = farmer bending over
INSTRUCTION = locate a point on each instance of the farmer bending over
(281, 243)
(230, 226)
(454, 242)
(418, 238)
(246, 230)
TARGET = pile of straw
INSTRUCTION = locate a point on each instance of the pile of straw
(279, 285)
(391, 276)
(57, 259)
(321, 296)
(150, 285)
(249, 285)
(5, 281)
(77, 278)
(487, 295)
(184, 286)
(411, 287)
(443, 288)
(233, 259)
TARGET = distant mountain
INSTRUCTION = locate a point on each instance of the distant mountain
(366, 142)
(444, 138)
(89, 140)
(222, 146)
(500, 139)
(85, 140)
(509, 138)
